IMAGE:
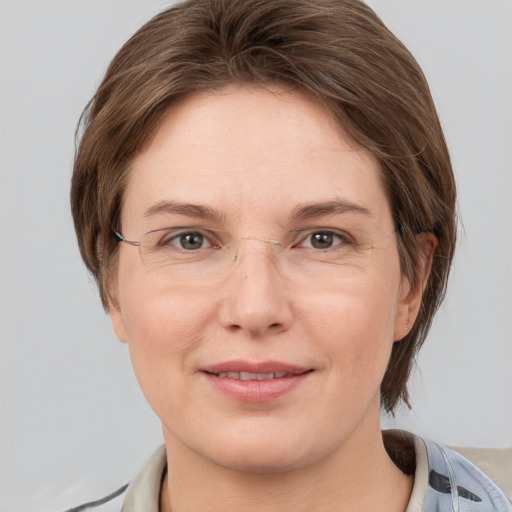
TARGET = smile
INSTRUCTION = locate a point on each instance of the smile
(256, 382)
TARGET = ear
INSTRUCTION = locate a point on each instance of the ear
(116, 317)
(409, 301)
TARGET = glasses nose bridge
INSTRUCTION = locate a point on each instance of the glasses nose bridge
(235, 253)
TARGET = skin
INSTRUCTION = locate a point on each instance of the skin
(256, 155)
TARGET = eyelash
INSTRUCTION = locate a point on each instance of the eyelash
(169, 239)
(343, 239)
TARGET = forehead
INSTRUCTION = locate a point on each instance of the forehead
(252, 149)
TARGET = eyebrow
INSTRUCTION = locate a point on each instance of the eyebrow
(313, 210)
(300, 212)
(187, 209)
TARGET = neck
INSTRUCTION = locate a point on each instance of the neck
(359, 476)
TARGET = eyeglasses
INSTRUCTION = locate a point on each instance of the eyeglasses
(198, 253)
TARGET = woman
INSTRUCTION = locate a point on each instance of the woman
(264, 194)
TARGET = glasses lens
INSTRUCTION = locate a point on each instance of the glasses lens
(198, 254)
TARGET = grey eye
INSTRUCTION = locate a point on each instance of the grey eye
(190, 241)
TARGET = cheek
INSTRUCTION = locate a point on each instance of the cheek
(162, 326)
(354, 324)
(165, 323)
(359, 307)
(163, 331)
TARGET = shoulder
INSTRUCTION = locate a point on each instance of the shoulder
(111, 503)
(142, 493)
(452, 483)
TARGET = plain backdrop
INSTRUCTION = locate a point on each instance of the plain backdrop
(73, 424)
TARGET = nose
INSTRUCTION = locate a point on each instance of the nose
(255, 298)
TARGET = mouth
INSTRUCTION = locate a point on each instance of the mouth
(256, 382)
(256, 376)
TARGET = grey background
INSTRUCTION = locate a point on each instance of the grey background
(73, 424)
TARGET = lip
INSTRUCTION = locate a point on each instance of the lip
(289, 377)
(255, 367)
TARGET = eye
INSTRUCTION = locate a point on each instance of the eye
(191, 241)
(323, 240)
(179, 242)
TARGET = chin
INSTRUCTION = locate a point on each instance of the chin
(259, 450)
(261, 459)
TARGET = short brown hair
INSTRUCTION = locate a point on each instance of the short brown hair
(337, 51)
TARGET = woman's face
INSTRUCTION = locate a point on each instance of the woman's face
(260, 327)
